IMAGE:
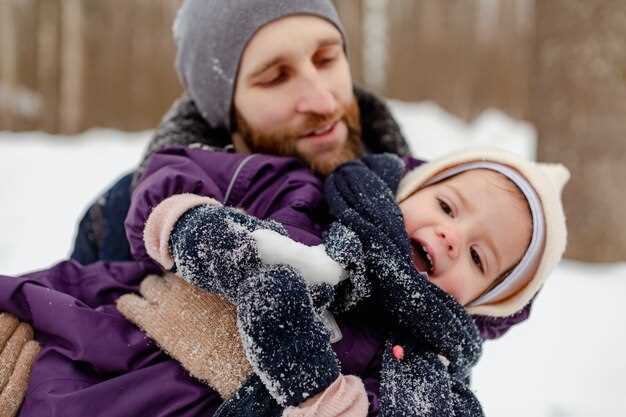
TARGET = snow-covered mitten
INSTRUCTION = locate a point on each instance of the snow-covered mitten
(387, 166)
(288, 347)
(213, 248)
(252, 399)
(345, 248)
(418, 383)
(363, 201)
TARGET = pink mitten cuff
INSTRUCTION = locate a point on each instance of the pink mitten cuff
(161, 222)
(346, 397)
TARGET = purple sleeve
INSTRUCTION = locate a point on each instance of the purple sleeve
(372, 387)
(267, 187)
(72, 307)
(174, 171)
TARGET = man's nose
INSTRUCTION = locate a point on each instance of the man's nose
(450, 241)
(316, 97)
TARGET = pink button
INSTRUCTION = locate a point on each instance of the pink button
(398, 352)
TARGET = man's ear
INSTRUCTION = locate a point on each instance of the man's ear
(240, 145)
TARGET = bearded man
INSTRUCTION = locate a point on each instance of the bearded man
(285, 91)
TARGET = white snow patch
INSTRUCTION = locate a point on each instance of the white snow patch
(432, 131)
(46, 182)
(311, 262)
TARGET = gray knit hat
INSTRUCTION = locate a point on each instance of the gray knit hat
(211, 36)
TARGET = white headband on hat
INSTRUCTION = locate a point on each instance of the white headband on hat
(526, 266)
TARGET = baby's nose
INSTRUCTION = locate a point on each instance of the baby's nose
(450, 241)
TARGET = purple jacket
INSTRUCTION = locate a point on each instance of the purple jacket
(95, 362)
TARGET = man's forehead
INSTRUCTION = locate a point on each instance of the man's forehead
(292, 33)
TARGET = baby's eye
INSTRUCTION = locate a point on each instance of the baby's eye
(476, 259)
(446, 208)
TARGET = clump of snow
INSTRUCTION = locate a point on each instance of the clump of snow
(311, 262)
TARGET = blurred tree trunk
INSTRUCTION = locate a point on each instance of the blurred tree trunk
(351, 13)
(465, 55)
(579, 105)
(19, 99)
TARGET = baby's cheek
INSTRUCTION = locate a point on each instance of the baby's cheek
(462, 291)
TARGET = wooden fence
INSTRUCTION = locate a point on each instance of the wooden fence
(69, 65)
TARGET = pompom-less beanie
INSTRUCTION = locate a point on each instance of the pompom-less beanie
(541, 184)
(211, 36)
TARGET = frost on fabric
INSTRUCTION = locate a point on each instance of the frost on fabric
(415, 395)
(285, 342)
(427, 312)
(213, 250)
(217, 69)
(344, 246)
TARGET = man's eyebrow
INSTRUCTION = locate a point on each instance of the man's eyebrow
(266, 66)
(330, 41)
(323, 43)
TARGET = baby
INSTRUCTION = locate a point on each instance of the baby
(484, 227)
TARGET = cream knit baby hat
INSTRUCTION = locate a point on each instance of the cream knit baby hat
(542, 185)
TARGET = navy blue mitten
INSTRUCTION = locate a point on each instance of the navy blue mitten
(287, 345)
(344, 246)
(252, 399)
(388, 167)
(213, 248)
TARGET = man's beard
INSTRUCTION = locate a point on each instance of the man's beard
(284, 143)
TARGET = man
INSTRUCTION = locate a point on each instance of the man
(269, 77)
(270, 98)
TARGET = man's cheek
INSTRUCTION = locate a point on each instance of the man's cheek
(342, 79)
(270, 114)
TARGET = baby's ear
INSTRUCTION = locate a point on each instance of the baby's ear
(389, 167)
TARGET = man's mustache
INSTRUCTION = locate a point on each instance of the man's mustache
(314, 123)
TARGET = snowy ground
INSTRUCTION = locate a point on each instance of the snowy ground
(567, 361)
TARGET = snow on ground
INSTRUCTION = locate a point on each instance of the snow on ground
(46, 184)
(567, 361)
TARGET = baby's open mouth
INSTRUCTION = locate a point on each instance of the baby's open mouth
(421, 258)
